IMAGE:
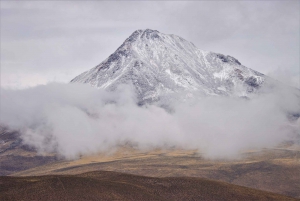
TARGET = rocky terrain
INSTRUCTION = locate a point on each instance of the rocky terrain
(160, 66)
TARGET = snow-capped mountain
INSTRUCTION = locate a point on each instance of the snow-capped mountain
(158, 65)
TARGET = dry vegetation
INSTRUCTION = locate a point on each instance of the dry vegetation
(102, 185)
(274, 170)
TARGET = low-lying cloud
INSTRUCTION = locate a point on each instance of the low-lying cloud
(74, 120)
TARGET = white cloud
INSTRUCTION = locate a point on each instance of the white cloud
(74, 119)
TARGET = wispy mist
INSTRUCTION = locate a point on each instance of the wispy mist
(74, 119)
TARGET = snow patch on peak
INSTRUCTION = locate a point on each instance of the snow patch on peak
(158, 64)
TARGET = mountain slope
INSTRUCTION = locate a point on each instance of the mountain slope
(103, 185)
(158, 64)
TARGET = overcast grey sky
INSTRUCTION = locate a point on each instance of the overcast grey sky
(50, 41)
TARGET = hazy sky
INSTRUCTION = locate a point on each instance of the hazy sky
(50, 41)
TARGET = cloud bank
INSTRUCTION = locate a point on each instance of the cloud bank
(75, 119)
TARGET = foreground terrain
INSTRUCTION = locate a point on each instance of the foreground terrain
(119, 186)
(275, 170)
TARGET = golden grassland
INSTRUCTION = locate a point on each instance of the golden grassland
(274, 170)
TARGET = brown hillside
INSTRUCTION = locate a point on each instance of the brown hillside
(104, 185)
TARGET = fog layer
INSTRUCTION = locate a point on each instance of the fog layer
(74, 120)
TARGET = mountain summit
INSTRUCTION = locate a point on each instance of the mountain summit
(158, 65)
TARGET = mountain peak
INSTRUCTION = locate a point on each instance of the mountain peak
(145, 34)
(146, 31)
(158, 65)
